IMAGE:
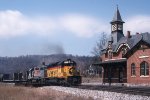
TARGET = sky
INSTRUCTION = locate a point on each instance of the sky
(44, 27)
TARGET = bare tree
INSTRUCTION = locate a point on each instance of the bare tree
(100, 45)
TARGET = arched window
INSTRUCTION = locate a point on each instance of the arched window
(110, 54)
(144, 68)
(124, 51)
(133, 70)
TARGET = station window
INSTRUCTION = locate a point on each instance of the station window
(144, 68)
(133, 70)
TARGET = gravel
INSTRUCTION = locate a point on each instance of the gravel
(97, 95)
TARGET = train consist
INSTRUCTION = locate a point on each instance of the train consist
(60, 73)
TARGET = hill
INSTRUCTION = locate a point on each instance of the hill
(10, 65)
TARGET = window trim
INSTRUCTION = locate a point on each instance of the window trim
(144, 76)
(144, 66)
(124, 51)
(133, 70)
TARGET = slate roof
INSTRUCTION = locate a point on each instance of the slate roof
(117, 17)
(132, 41)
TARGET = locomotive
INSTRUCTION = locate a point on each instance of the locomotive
(62, 73)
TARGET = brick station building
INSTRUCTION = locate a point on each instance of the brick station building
(126, 58)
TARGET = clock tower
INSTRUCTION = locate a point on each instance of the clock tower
(117, 27)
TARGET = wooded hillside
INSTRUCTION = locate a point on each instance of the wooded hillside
(10, 65)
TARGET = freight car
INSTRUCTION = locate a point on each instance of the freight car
(17, 76)
(1, 77)
(62, 73)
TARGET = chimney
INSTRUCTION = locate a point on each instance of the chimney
(128, 34)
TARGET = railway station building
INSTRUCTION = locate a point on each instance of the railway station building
(126, 57)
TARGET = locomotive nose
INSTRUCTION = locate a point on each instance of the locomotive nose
(72, 70)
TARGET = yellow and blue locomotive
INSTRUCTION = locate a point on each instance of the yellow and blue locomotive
(63, 73)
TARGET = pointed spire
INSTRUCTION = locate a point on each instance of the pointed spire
(117, 16)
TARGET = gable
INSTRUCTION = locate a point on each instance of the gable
(131, 42)
(123, 45)
(141, 45)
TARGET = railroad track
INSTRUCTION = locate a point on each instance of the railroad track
(143, 91)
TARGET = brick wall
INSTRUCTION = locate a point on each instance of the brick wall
(137, 57)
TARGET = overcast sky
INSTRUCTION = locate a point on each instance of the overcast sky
(64, 26)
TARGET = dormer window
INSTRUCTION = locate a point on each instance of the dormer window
(110, 54)
(124, 51)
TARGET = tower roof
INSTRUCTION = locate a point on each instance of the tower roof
(117, 17)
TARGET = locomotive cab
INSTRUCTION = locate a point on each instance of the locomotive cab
(70, 68)
(71, 73)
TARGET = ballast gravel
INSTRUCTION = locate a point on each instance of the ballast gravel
(97, 95)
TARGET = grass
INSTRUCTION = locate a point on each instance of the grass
(8, 92)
